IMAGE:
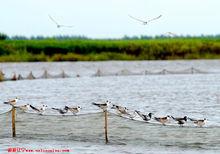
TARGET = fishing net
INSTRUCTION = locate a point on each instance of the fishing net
(122, 130)
(5, 124)
(123, 72)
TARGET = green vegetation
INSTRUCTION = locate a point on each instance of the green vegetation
(92, 50)
(1, 76)
(3, 36)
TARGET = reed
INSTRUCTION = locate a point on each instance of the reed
(93, 50)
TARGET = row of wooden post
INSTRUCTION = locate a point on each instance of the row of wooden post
(13, 113)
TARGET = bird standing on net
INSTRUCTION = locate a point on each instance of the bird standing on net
(200, 122)
(12, 102)
(122, 111)
(163, 120)
(180, 121)
(103, 106)
(143, 116)
(40, 110)
(61, 111)
(24, 108)
(74, 110)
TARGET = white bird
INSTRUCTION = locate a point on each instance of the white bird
(145, 22)
(61, 111)
(143, 116)
(74, 110)
(103, 106)
(24, 108)
(12, 102)
(171, 34)
(200, 122)
(120, 109)
(163, 120)
(180, 121)
(40, 110)
(59, 25)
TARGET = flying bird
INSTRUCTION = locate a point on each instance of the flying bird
(40, 110)
(171, 34)
(12, 102)
(143, 116)
(180, 121)
(57, 24)
(61, 111)
(145, 22)
(74, 110)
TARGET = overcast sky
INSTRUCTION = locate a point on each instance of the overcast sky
(109, 18)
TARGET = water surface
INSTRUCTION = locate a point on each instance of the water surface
(194, 95)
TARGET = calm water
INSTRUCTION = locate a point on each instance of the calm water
(194, 95)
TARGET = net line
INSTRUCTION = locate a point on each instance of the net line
(89, 127)
(99, 73)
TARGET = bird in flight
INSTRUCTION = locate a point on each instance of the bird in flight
(57, 24)
(171, 34)
(145, 22)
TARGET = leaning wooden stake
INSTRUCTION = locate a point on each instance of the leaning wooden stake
(106, 126)
(13, 112)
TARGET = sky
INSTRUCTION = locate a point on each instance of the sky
(109, 18)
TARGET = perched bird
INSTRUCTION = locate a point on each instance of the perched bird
(180, 121)
(145, 22)
(162, 120)
(200, 122)
(40, 110)
(103, 106)
(59, 25)
(74, 110)
(143, 116)
(12, 102)
(61, 111)
(121, 110)
(24, 108)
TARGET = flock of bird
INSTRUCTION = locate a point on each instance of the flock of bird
(148, 117)
(41, 110)
(144, 22)
(120, 110)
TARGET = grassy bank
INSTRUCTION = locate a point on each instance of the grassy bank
(92, 50)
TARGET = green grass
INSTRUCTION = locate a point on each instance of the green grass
(93, 50)
(1, 76)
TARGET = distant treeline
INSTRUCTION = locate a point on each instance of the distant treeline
(85, 49)
(73, 37)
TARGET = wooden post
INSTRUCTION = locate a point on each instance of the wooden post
(13, 112)
(106, 126)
